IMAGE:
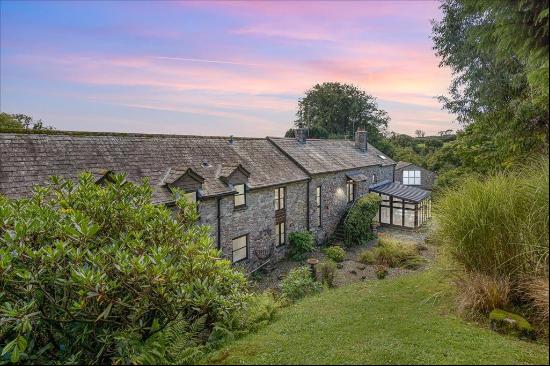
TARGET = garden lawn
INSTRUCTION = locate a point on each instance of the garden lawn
(406, 320)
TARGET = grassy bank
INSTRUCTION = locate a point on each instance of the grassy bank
(402, 320)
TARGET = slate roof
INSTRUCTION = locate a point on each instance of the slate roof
(402, 164)
(318, 156)
(401, 191)
(29, 159)
(357, 177)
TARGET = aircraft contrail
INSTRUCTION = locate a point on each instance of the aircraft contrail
(203, 60)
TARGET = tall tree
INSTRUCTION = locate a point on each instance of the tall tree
(419, 133)
(498, 52)
(21, 122)
(340, 109)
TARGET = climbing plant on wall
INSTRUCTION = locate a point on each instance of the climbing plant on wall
(358, 223)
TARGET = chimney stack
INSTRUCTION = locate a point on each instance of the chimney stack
(301, 135)
(361, 140)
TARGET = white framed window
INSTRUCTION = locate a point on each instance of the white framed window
(350, 188)
(279, 198)
(240, 196)
(280, 233)
(240, 248)
(412, 177)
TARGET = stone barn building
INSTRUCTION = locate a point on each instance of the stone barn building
(251, 192)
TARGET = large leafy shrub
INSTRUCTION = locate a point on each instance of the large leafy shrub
(299, 283)
(358, 222)
(88, 270)
(301, 243)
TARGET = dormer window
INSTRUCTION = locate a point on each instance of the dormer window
(412, 177)
(190, 197)
(240, 195)
(186, 180)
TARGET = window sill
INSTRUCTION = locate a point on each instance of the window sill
(240, 208)
(239, 261)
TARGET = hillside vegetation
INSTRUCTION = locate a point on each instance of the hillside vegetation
(406, 320)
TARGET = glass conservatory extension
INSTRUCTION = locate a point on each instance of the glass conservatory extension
(402, 205)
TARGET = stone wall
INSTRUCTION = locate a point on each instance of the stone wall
(334, 200)
(257, 220)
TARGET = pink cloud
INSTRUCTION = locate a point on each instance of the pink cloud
(414, 82)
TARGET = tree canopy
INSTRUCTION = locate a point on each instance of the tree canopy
(20, 121)
(498, 52)
(340, 109)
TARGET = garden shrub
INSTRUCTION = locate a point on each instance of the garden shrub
(89, 273)
(359, 219)
(299, 283)
(336, 253)
(327, 272)
(381, 272)
(301, 243)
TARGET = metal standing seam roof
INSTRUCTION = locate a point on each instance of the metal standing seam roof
(401, 191)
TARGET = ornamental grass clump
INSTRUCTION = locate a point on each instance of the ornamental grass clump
(496, 228)
(327, 272)
(393, 253)
(89, 273)
(499, 225)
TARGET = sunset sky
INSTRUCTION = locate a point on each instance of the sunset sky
(214, 68)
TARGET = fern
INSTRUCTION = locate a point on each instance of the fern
(180, 343)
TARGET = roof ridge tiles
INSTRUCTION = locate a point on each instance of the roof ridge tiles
(116, 134)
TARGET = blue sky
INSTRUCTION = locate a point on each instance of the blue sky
(214, 68)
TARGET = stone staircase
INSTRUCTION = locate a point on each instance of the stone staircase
(338, 235)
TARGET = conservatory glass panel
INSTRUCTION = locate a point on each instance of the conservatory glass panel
(385, 215)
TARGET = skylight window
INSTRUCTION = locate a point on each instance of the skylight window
(382, 157)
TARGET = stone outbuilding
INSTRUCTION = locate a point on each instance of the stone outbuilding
(410, 174)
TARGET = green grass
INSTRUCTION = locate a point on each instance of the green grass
(405, 320)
